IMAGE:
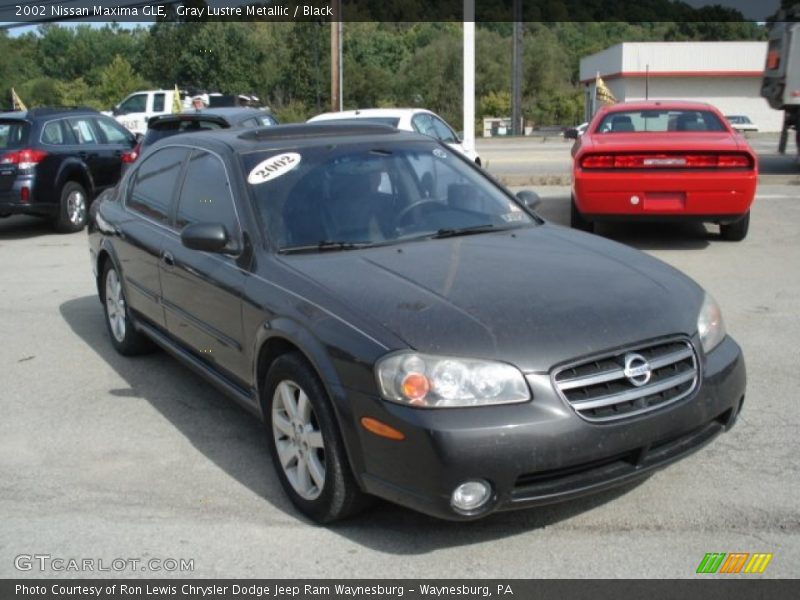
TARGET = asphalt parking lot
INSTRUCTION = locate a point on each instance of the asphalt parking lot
(104, 457)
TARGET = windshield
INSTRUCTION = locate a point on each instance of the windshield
(649, 121)
(13, 134)
(355, 195)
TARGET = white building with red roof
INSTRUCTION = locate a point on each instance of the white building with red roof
(725, 74)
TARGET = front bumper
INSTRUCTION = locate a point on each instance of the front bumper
(726, 196)
(541, 451)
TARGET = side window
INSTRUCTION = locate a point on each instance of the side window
(249, 123)
(267, 121)
(422, 124)
(443, 132)
(113, 132)
(154, 184)
(158, 102)
(53, 134)
(206, 194)
(134, 104)
(82, 130)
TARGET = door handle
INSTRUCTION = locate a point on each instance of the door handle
(168, 259)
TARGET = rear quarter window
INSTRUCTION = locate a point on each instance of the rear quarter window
(13, 134)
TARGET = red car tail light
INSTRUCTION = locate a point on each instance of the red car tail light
(667, 161)
(132, 155)
(25, 158)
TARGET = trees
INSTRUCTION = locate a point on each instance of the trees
(288, 64)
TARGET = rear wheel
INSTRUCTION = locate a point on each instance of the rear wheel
(577, 220)
(124, 337)
(307, 449)
(73, 208)
(736, 231)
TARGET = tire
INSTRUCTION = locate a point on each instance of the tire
(73, 208)
(576, 219)
(306, 446)
(124, 337)
(736, 231)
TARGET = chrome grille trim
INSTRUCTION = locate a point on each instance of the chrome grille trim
(608, 395)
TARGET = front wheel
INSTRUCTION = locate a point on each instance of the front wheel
(577, 220)
(307, 449)
(736, 231)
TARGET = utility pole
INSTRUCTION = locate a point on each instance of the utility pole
(336, 56)
(469, 74)
(516, 71)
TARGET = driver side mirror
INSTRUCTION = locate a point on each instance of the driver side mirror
(116, 111)
(529, 198)
(206, 237)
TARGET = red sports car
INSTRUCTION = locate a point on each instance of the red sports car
(663, 160)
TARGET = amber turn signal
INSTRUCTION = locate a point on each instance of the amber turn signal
(382, 429)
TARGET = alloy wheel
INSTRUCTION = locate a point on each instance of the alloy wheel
(115, 306)
(76, 207)
(298, 440)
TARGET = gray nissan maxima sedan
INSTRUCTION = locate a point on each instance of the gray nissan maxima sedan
(404, 325)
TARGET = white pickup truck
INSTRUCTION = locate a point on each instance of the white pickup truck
(134, 111)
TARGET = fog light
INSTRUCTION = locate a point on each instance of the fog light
(471, 495)
(24, 194)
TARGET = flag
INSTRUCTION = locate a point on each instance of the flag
(602, 93)
(16, 101)
(177, 105)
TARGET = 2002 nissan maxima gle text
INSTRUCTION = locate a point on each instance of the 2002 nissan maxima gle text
(405, 326)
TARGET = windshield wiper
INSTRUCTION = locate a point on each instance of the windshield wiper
(473, 229)
(325, 246)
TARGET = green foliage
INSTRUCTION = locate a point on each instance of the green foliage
(117, 80)
(495, 104)
(384, 63)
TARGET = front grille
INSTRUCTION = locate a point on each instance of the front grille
(600, 389)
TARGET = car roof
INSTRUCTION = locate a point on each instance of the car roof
(295, 135)
(48, 111)
(369, 112)
(230, 112)
(658, 104)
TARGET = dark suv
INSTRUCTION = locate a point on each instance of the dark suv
(53, 161)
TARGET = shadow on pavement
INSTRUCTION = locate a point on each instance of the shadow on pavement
(22, 226)
(234, 441)
(643, 236)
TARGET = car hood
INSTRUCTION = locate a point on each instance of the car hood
(679, 142)
(534, 298)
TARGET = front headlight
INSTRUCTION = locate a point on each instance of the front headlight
(710, 325)
(426, 381)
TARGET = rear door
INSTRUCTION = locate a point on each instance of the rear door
(202, 290)
(97, 157)
(141, 236)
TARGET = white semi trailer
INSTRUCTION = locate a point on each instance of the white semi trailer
(781, 84)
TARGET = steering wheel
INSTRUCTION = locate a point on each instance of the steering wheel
(407, 210)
